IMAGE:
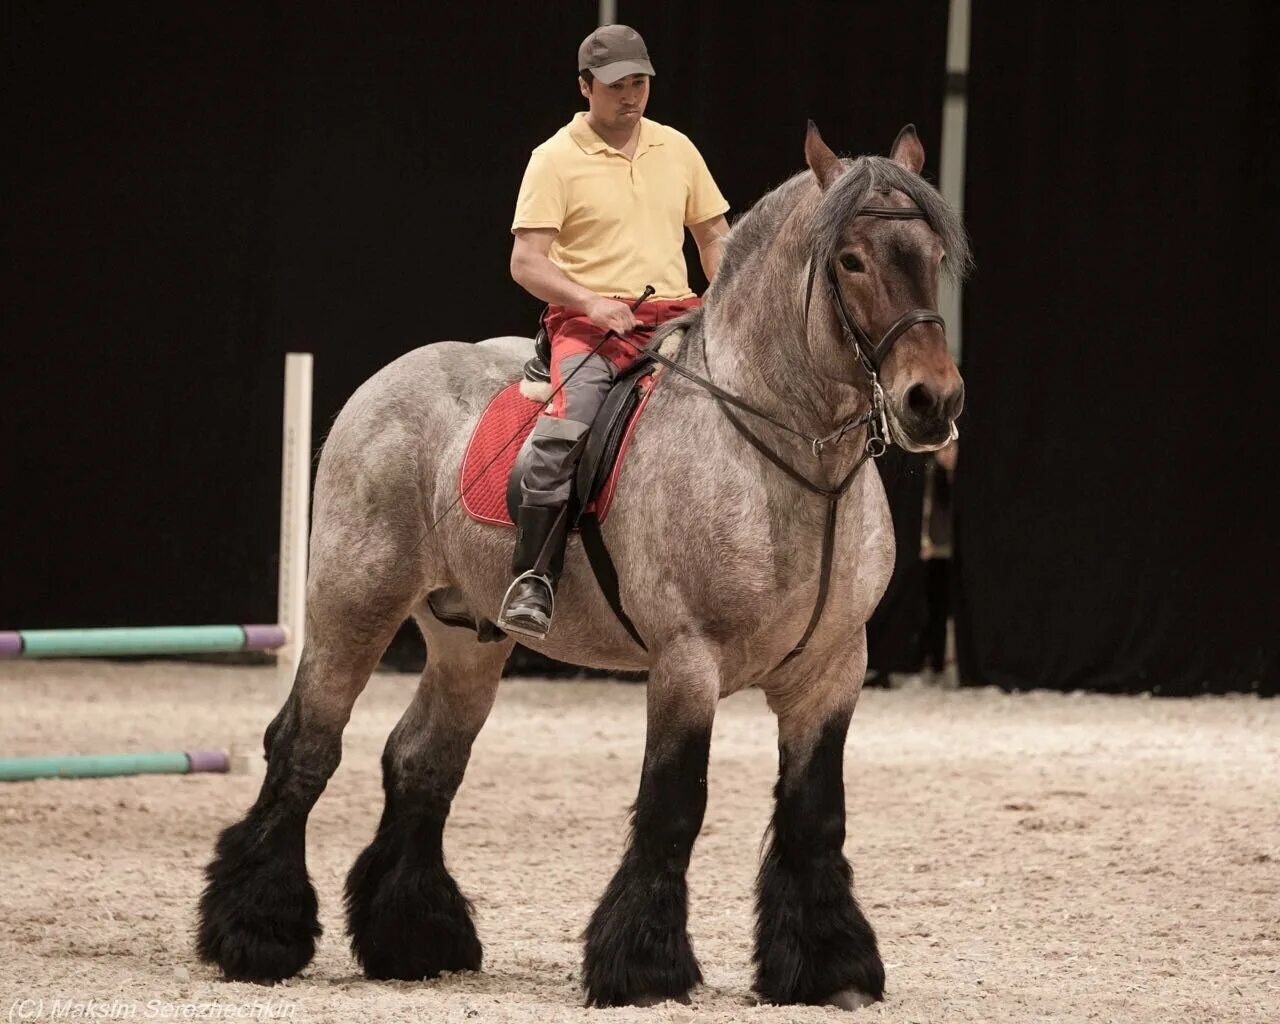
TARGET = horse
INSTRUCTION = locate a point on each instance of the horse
(719, 552)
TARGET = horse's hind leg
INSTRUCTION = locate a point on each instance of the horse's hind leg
(257, 918)
(406, 917)
(813, 944)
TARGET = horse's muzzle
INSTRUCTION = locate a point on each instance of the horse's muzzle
(925, 418)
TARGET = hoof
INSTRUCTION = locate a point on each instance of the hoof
(813, 944)
(417, 949)
(851, 999)
(258, 913)
(637, 950)
(653, 1000)
(407, 922)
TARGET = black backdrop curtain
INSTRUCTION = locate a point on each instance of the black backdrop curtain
(195, 189)
(1114, 525)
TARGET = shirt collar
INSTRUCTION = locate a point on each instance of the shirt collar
(591, 143)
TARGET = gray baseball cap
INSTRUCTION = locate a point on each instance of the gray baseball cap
(612, 52)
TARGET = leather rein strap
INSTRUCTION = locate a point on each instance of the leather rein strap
(877, 440)
(833, 496)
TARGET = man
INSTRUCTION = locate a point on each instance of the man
(600, 216)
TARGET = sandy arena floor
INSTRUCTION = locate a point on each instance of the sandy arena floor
(1023, 858)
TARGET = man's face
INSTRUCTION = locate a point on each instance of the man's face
(617, 107)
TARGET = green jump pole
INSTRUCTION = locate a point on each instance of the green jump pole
(90, 643)
(93, 766)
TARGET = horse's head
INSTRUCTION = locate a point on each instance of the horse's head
(881, 237)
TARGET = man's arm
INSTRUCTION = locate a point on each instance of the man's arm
(532, 270)
(710, 235)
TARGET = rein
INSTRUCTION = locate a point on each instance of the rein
(725, 398)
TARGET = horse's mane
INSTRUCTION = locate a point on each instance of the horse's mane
(849, 193)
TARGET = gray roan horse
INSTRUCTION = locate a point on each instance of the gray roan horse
(719, 551)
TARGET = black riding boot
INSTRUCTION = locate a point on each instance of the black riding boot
(539, 557)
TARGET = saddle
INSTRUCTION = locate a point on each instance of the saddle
(538, 369)
(493, 464)
(492, 468)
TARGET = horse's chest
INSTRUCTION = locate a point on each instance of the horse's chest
(850, 582)
(761, 571)
(738, 556)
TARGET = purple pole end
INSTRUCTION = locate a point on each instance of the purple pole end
(263, 638)
(209, 760)
(10, 645)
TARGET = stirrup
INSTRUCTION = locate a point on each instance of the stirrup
(516, 626)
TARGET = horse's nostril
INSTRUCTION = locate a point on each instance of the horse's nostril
(920, 399)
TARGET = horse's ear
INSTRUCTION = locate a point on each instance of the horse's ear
(907, 151)
(826, 166)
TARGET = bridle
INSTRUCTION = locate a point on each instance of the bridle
(872, 354)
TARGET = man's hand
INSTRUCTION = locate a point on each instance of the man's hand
(611, 314)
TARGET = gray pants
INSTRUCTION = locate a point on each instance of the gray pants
(550, 455)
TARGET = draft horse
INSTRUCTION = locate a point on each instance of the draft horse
(752, 541)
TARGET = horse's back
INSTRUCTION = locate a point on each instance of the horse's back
(411, 419)
(440, 374)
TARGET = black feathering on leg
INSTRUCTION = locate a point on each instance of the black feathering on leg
(258, 917)
(637, 942)
(406, 917)
(637, 947)
(812, 940)
(258, 912)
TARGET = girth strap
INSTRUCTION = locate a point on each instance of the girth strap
(605, 572)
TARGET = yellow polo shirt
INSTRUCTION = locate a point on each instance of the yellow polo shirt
(620, 222)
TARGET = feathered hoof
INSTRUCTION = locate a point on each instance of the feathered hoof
(637, 950)
(258, 913)
(398, 951)
(408, 922)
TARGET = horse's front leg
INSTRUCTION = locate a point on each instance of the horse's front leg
(813, 944)
(637, 948)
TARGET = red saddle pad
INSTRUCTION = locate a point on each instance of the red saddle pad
(495, 443)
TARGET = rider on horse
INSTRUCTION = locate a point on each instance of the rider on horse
(602, 209)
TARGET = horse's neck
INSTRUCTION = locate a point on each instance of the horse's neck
(757, 352)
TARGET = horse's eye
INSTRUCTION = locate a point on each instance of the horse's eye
(851, 263)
